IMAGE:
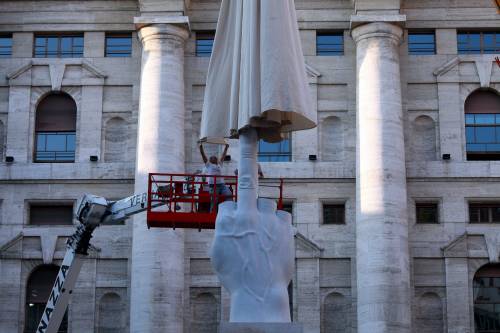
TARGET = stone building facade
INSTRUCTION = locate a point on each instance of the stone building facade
(393, 141)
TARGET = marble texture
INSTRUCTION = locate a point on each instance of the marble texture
(382, 259)
(253, 247)
(157, 280)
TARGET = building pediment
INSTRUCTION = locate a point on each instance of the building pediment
(33, 244)
(474, 245)
(306, 248)
(56, 72)
(483, 65)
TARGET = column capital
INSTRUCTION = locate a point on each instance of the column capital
(159, 26)
(364, 18)
(377, 29)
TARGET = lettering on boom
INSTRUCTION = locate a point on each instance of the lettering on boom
(497, 59)
(54, 295)
(139, 199)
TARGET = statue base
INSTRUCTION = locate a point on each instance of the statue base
(260, 328)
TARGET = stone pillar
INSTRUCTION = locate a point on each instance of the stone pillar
(381, 218)
(157, 267)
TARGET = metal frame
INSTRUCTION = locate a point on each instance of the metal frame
(181, 200)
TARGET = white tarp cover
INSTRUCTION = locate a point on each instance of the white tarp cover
(257, 73)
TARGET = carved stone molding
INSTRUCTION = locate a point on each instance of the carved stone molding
(89, 74)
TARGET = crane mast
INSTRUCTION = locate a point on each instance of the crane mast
(92, 212)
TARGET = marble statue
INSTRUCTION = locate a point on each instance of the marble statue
(256, 89)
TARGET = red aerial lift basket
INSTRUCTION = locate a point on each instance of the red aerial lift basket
(189, 200)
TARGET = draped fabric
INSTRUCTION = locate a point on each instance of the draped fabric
(257, 73)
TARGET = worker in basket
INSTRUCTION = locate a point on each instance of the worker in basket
(213, 167)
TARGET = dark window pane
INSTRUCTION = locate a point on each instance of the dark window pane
(495, 214)
(427, 213)
(333, 214)
(469, 135)
(55, 147)
(119, 45)
(330, 44)
(61, 214)
(421, 43)
(469, 119)
(478, 42)
(58, 46)
(204, 43)
(485, 134)
(5, 46)
(473, 214)
(56, 142)
(275, 152)
(78, 41)
(484, 212)
(485, 119)
(482, 130)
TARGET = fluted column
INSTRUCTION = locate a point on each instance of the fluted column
(381, 216)
(157, 267)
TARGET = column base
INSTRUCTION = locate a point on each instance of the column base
(260, 328)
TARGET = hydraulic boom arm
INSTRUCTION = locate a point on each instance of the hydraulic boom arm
(92, 212)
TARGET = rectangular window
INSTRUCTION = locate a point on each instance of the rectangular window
(5, 46)
(55, 147)
(59, 46)
(330, 43)
(276, 152)
(204, 43)
(333, 213)
(484, 212)
(478, 42)
(119, 45)
(421, 43)
(427, 212)
(51, 214)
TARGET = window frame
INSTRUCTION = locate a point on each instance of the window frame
(481, 33)
(112, 35)
(63, 130)
(9, 48)
(204, 35)
(337, 203)
(59, 37)
(72, 153)
(488, 106)
(427, 204)
(485, 279)
(49, 203)
(324, 33)
(288, 154)
(483, 204)
(421, 32)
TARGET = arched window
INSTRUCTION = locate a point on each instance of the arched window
(429, 316)
(205, 314)
(336, 314)
(482, 125)
(115, 140)
(424, 139)
(38, 289)
(55, 129)
(111, 314)
(487, 299)
(332, 139)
